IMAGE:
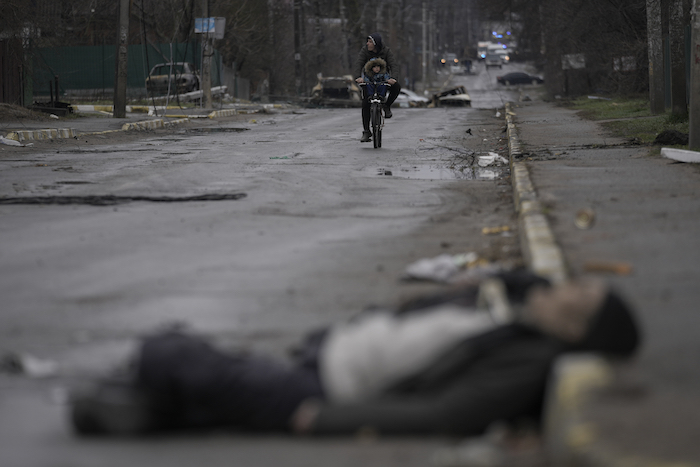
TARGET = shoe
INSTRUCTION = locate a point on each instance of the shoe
(387, 112)
(366, 137)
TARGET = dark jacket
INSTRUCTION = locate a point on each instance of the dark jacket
(380, 51)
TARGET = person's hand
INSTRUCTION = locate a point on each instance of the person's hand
(304, 417)
(391, 81)
(358, 80)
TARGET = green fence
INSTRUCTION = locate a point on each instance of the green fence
(90, 69)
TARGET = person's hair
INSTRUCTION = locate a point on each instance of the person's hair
(613, 329)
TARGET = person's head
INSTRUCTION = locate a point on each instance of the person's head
(374, 42)
(585, 313)
(374, 66)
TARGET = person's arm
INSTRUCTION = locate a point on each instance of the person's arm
(362, 58)
(391, 66)
(506, 384)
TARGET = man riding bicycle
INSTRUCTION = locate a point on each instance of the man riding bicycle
(375, 48)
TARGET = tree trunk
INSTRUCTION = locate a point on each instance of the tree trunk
(677, 42)
(656, 57)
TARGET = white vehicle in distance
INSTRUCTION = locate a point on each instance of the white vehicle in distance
(493, 60)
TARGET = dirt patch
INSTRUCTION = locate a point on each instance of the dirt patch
(12, 113)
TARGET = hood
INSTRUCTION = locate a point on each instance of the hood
(371, 63)
(377, 39)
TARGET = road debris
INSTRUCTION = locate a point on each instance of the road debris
(25, 364)
(492, 158)
(12, 142)
(613, 267)
(440, 268)
(584, 218)
(681, 155)
(495, 230)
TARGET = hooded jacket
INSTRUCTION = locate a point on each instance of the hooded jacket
(370, 76)
(380, 51)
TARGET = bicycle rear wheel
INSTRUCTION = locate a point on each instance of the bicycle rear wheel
(376, 119)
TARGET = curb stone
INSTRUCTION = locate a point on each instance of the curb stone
(539, 246)
(153, 124)
(33, 135)
(54, 133)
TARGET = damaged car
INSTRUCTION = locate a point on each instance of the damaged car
(180, 77)
(457, 97)
(338, 90)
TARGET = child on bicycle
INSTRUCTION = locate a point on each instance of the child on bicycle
(374, 73)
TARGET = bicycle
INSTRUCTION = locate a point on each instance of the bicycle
(376, 116)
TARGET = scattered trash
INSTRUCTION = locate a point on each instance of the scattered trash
(495, 230)
(54, 116)
(12, 142)
(619, 268)
(681, 155)
(485, 161)
(469, 131)
(384, 172)
(584, 219)
(25, 364)
(440, 268)
(600, 98)
(498, 114)
(672, 137)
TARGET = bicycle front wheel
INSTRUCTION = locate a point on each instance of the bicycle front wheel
(376, 119)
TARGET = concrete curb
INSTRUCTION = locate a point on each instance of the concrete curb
(153, 124)
(539, 246)
(33, 135)
(55, 133)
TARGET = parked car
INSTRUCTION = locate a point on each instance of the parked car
(336, 90)
(411, 99)
(518, 77)
(181, 77)
(493, 59)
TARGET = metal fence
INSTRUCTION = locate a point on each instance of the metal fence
(88, 71)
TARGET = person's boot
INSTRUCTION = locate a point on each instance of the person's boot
(366, 137)
(387, 112)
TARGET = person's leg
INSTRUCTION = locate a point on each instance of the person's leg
(394, 91)
(366, 134)
(182, 382)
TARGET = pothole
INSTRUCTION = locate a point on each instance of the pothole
(217, 130)
(433, 172)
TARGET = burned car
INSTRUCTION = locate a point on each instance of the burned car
(179, 77)
(457, 97)
(339, 90)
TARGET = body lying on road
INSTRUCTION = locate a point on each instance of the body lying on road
(444, 364)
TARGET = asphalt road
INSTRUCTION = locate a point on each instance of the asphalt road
(326, 228)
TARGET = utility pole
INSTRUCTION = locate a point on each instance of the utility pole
(297, 46)
(120, 69)
(431, 47)
(424, 49)
(694, 124)
(656, 57)
(206, 57)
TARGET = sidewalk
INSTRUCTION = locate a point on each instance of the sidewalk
(643, 239)
(90, 120)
